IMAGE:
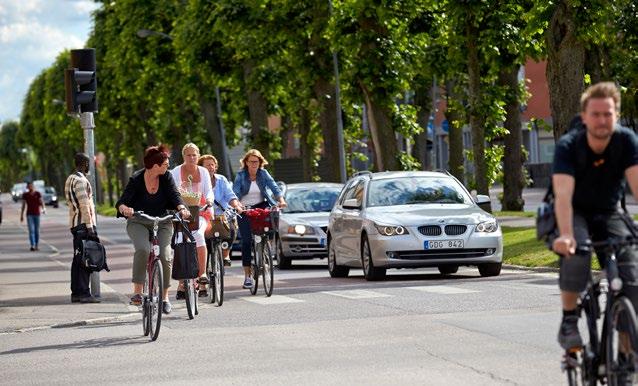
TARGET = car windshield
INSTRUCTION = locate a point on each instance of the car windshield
(416, 190)
(49, 189)
(305, 200)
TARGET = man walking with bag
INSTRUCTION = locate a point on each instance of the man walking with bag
(79, 199)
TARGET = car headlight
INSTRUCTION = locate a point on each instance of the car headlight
(391, 230)
(487, 226)
(54, 198)
(301, 229)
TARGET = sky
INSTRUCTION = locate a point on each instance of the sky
(32, 34)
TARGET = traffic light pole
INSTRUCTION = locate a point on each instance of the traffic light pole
(87, 123)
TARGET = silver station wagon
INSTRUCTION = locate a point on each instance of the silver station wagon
(411, 220)
(303, 224)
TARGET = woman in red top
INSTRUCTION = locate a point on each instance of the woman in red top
(32, 200)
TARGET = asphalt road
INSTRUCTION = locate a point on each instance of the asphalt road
(416, 328)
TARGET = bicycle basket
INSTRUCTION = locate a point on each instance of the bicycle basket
(259, 219)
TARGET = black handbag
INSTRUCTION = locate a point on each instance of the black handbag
(546, 218)
(184, 254)
(93, 256)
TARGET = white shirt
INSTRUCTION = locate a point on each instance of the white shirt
(253, 197)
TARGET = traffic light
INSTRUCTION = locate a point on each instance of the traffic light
(80, 82)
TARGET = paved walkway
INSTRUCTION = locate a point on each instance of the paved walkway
(35, 286)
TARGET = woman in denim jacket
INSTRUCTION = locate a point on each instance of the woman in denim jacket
(251, 186)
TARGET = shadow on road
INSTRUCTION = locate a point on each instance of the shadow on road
(91, 343)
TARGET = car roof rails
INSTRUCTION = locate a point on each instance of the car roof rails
(363, 173)
(444, 171)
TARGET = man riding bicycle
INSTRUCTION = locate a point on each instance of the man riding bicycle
(590, 167)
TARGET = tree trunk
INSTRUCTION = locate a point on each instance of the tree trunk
(305, 148)
(455, 136)
(565, 67)
(382, 133)
(211, 125)
(258, 112)
(325, 94)
(513, 180)
(477, 121)
(423, 102)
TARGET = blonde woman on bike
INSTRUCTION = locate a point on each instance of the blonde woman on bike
(194, 180)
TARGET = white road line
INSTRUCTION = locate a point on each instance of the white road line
(274, 299)
(443, 289)
(357, 294)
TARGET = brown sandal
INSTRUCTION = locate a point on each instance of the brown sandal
(202, 280)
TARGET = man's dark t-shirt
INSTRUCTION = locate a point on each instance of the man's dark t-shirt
(32, 200)
(599, 177)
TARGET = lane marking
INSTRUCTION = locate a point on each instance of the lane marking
(357, 294)
(274, 299)
(443, 289)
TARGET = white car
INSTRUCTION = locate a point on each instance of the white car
(303, 224)
(411, 220)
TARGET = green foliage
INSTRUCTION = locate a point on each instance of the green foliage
(408, 162)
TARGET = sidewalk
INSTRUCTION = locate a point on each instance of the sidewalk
(35, 287)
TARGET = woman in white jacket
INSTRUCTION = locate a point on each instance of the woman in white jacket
(192, 180)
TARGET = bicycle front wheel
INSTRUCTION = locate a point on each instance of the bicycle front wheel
(146, 307)
(217, 283)
(255, 266)
(156, 299)
(620, 345)
(267, 264)
(191, 298)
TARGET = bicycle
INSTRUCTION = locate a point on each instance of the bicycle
(605, 358)
(263, 224)
(214, 260)
(152, 295)
(191, 291)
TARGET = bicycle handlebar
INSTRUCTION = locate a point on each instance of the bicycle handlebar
(172, 217)
(610, 244)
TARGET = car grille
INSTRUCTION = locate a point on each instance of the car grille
(453, 230)
(438, 254)
(430, 230)
(308, 249)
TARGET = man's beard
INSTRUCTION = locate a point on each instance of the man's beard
(596, 134)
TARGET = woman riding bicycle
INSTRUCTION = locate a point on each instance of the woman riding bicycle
(153, 191)
(251, 184)
(224, 195)
(194, 182)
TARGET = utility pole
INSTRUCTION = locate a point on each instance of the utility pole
(81, 101)
(340, 141)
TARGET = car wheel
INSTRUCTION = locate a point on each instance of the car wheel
(448, 269)
(56, 205)
(283, 262)
(490, 269)
(334, 269)
(370, 272)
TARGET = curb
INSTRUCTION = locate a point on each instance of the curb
(533, 269)
(87, 322)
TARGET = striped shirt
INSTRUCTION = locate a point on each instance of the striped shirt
(79, 199)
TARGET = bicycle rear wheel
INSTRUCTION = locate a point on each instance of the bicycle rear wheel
(210, 273)
(255, 266)
(267, 273)
(155, 299)
(191, 298)
(620, 344)
(217, 283)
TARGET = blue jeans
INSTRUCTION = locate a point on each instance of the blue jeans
(33, 221)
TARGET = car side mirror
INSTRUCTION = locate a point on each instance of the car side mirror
(482, 199)
(351, 203)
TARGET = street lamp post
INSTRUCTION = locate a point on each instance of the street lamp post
(144, 33)
(340, 141)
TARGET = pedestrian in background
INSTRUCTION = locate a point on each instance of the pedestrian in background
(32, 200)
(79, 199)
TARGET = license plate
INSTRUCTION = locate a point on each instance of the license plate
(442, 244)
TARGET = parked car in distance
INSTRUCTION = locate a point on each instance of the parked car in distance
(411, 220)
(303, 223)
(49, 196)
(17, 190)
